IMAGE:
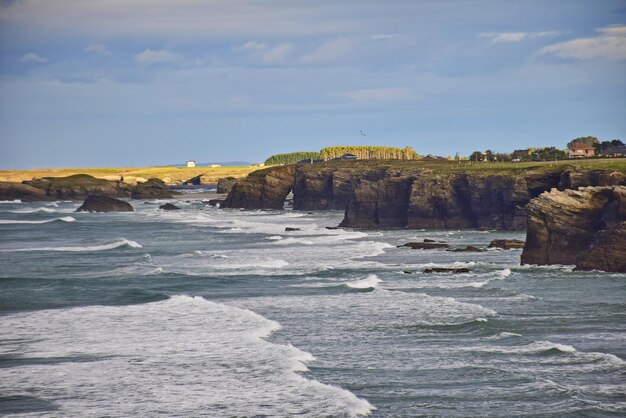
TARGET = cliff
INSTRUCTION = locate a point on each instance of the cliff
(585, 227)
(395, 194)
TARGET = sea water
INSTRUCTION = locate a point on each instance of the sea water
(212, 312)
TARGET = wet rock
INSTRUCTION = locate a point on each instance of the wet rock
(506, 244)
(169, 206)
(152, 189)
(291, 229)
(447, 270)
(225, 184)
(23, 192)
(104, 204)
(584, 227)
(424, 245)
(332, 227)
(215, 202)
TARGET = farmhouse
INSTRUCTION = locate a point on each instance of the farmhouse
(191, 163)
(579, 150)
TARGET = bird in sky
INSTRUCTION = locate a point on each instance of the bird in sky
(362, 134)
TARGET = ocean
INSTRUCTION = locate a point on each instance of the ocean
(222, 313)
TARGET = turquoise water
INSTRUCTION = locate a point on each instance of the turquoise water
(210, 312)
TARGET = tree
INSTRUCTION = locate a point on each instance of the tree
(292, 157)
(476, 156)
(586, 140)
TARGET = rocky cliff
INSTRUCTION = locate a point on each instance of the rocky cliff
(585, 227)
(388, 194)
(79, 186)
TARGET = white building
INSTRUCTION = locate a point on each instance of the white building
(191, 163)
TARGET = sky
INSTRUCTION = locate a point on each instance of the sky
(91, 83)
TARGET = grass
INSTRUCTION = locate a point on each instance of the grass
(170, 175)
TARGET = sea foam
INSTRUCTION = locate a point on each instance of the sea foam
(45, 221)
(104, 247)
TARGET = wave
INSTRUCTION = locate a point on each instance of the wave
(45, 221)
(503, 335)
(117, 244)
(3, 202)
(35, 210)
(218, 354)
(369, 282)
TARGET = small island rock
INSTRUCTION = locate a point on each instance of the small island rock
(169, 206)
(104, 204)
(506, 244)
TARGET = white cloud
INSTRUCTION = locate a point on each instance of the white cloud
(150, 57)
(609, 44)
(382, 36)
(253, 45)
(277, 54)
(377, 95)
(329, 52)
(33, 58)
(515, 36)
(98, 49)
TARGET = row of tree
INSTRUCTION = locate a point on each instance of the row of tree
(370, 152)
(595, 142)
(292, 157)
(528, 154)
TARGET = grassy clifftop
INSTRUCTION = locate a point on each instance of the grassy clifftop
(170, 175)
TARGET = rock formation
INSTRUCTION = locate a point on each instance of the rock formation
(79, 186)
(506, 244)
(169, 206)
(23, 192)
(225, 184)
(400, 194)
(152, 189)
(104, 204)
(584, 227)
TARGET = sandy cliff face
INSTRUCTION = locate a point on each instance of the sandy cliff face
(390, 195)
(585, 227)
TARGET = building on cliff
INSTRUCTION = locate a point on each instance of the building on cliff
(191, 163)
(579, 150)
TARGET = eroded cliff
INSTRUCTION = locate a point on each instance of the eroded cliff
(395, 194)
(584, 227)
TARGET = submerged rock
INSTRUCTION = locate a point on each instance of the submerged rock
(447, 270)
(584, 227)
(291, 229)
(169, 206)
(104, 204)
(506, 244)
(468, 249)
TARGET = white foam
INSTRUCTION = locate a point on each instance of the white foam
(274, 238)
(10, 201)
(45, 221)
(184, 356)
(121, 243)
(502, 336)
(370, 281)
(35, 210)
(502, 274)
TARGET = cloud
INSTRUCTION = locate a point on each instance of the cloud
(31, 57)
(382, 36)
(150, 57)
(329, 52)
(610, 43)
(277, 54)
(98, 49)
(516, 36)
(377, 95)
(253, 45)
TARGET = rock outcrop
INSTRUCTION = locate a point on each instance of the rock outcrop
(507, 244)
(104, 204)
(23, 192)
(169, 206)
(79, 186)
(225, 184)
(400, 194)
(152, 189)
(584, 227)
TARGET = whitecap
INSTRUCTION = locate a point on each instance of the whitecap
(45, 221)
(121, 243)
(369, 282)
(10, 201)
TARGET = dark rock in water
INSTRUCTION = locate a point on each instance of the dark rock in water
(468, 249)
(23, 192)
(447, 270)
(332, 227)
(408, 272)
(506, 244)
(215, 202)
(104, 204)
(262, 189)
(429, 240)
(194, 181)
(290, 229)
(152, 189)
(80, 186)
(225, 184)
(169, 206)
(424, 245)
(585, 227)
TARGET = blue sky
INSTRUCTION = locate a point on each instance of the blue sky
(87, 83)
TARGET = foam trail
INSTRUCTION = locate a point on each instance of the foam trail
(63, 219)
(369, 282)
(122, 243)
(36, 210)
